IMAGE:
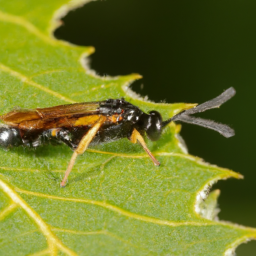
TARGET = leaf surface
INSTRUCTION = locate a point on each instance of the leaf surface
(116, 201)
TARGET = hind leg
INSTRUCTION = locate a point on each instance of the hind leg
(82, 146)
(60, 135)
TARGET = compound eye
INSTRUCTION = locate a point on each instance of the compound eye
(154, 129)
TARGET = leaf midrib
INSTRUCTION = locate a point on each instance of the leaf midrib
(52, 241)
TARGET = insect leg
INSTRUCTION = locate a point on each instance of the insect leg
(82, 146)
(65, 136)
(136, 136)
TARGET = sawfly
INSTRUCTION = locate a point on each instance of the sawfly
(81, 124)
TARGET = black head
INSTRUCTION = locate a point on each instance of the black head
(153, 125)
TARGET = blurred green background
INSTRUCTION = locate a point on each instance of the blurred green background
(187, 51)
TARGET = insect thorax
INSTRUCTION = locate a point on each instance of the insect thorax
(151, 123)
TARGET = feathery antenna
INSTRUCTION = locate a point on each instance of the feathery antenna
(186, 117)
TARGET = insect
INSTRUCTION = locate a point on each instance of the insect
(81, 124)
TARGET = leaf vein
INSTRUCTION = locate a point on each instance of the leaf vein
(6, 17)
(103, 86)
(41, 253)
(9, 240)
(6, 211)
(25, 79)
(52, 240)
(99, 232)
(181, 155)
(119, 210)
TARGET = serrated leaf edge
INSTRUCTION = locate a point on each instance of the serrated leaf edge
(202, 195)
(12, 194)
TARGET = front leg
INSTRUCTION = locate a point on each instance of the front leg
(82, 146)
(136, 137)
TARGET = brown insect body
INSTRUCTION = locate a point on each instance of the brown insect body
(35, 119)
(78, 125)
(68, 123)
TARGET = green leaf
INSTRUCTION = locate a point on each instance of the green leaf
(116, 201)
